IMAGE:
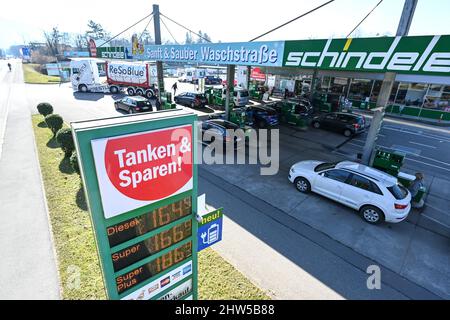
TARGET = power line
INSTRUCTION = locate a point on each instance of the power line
(169, 31)
(364, 18)
(140, 37)
(126, 29)
(292, 20)
(198, 35)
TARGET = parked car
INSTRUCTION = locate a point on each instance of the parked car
(191, 99)
(219, 127)
(262, 116)
(211, 80)
(137, 104)
(375, 194)
(346, 123)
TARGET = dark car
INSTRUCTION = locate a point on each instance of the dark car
(191, 99)
(136, 104)
(262, 116)
(346, 123)
(212, 80)
(218, 128)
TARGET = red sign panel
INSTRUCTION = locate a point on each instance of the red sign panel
(139, 169)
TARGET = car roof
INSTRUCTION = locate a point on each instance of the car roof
(137, 98)
(223, 123)
(368, 172)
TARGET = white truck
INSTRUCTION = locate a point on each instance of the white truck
(192, 75)
(136, 78)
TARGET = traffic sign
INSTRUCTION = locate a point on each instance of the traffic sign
(210, 229)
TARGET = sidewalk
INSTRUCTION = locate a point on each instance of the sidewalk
(28, 267)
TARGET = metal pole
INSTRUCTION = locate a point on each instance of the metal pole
(407, 15)
(230, 84)
(159, 65)
(388, 82)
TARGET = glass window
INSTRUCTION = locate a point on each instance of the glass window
(338, 175)
(360, 89)
(402, 90)
(437, 98)
(324, 166)
(398, 191)
(361, 182)
(415, 95)
(393, 92)
(338, 85)
(376, 90)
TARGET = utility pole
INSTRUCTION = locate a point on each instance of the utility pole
(389, 78)
(230, 85)
(159, 65)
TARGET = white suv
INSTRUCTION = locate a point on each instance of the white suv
(376, 195)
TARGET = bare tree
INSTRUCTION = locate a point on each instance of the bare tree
(52, 40)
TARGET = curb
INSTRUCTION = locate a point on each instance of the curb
(44, 195)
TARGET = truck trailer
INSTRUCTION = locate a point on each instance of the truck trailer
(135, 78)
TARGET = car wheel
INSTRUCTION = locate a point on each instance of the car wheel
(131, 111)
(83, 88)
(371, 214)
(139, 92)
(192, 105)
(302, 185)
(130, 91)
(347, 133)
(316, 124)
(114, 90)
(149, 94)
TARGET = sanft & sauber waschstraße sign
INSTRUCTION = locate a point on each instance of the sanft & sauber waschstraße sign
(239, 53)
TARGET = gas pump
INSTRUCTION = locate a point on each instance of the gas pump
(166, 101)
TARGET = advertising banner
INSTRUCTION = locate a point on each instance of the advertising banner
(240, 53)
(111, 53)
(410, 55)
(139, 169)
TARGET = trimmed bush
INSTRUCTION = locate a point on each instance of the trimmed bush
(45, 108)
(74, 162)
(65, 139)
(54, 122)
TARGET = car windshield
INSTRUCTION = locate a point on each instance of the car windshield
(143, 103)
(325, 166)
(226, 124)
(200, 96)
(399, 192)
(244, 93)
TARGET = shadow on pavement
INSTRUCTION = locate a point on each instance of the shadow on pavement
(89, 96)
(52, 143)
(42, 124)
(65, 166)
(81, 199)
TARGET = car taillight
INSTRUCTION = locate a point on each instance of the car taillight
(137, 109)
(356, 125)
(400, 206)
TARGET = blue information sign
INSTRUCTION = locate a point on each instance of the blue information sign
(209, 230)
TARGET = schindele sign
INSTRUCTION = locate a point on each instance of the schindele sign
(411, 55)
(139, 179)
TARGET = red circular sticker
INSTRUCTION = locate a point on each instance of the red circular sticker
(150, 166)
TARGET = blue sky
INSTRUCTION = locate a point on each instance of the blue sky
(228, 21)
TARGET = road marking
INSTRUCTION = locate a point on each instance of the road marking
(427, 164)
(424, 135)
(442, 162)
(423, 145)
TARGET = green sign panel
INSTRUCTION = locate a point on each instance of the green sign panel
(414, 55)
(111, 53)
(140, 180)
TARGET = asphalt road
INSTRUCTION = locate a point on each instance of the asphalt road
(427, 148)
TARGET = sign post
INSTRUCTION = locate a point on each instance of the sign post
(140, 180)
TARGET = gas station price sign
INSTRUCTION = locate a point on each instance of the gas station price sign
(140, 182)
